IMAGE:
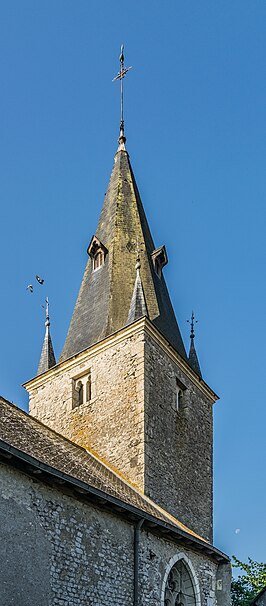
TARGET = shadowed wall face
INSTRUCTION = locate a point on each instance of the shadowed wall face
(56, 550)
(25, 552)
(178, 442)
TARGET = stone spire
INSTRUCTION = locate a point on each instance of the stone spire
(138, 307)
(47, 359)
(108, 282)
(105, 295)
(193, 358)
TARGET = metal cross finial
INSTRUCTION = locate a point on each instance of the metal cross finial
(120, 76)
(192, 323)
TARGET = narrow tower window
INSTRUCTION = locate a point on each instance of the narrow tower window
(180, 389)
(88, 388)
(98, 260)
(179, 394)
(80, 393)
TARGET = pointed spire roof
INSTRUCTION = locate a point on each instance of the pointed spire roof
(106, 291)
(138, 307)
(47, 359)
(192, 357)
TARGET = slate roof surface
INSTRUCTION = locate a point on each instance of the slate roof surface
(193, 359)
(138, 307)
(23, 432)
(103, 303)
(47, 359)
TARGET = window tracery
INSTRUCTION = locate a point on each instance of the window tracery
(179, 587)
(82, 390)
(98, 260)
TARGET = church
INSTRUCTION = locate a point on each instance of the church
(107, 484)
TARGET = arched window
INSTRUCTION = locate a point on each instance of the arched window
(179, 590)
(80, 393)
(180, 586)
(180, 390)
(97, 252)
(88, 389)
(179, 394)
(98, 260)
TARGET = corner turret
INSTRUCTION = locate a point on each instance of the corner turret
(138, 307)
(192, 356)
(47, 359)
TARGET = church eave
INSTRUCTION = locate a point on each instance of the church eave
(87, 493)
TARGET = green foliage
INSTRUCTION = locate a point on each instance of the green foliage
(248, 585)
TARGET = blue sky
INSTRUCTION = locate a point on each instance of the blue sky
(195, 124)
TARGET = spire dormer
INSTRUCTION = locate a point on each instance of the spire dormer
(105, 296)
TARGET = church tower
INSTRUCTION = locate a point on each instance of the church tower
(124, 386)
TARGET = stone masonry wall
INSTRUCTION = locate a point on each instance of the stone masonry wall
(58, 551)
(133, 423)
(112, 423)
(178, 444)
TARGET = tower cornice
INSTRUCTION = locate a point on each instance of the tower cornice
(142, 325)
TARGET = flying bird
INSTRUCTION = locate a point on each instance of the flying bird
(29, 288)
(40, 280)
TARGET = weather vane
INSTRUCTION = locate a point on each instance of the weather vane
(47, 323)
(46, 307)
(192, 323)
(120, 76)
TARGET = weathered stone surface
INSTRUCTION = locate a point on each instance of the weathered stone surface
(25, 549)
(43, 449)
(132, 420)
(87, 558)
(223, 584)
(77, 554)
(112, 422)
(178, 443)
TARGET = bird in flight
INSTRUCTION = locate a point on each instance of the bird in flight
(40, 280)
(29, 288)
